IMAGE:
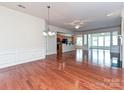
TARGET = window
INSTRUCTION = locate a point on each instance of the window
(79, 41)
(94, 41)
(85, 39)
(114, 38)
(89, 40)
(101, 41)
(107, 41)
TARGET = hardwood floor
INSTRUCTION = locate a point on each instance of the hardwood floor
(62, 72)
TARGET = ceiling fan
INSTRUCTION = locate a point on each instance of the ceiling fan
(77, 24)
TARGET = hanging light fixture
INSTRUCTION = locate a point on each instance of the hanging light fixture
(48, 32)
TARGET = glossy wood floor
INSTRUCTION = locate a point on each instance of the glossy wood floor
(62, 72)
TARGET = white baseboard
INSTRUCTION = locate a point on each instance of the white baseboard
(51, 53)
(18, 56)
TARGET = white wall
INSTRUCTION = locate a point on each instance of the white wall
(122, 46)
(52, 43)
(21, 38)
(122, 33)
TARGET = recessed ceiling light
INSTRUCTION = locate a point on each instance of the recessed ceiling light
(21, 6)
(110, 14)
(77, 26)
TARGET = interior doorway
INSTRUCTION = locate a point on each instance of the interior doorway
(65, 42)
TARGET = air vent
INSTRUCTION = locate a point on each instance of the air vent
(21, 6)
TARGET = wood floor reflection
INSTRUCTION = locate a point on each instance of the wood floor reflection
(72, 70)
(99, 57)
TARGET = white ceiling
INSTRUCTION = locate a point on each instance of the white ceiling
(93, 14)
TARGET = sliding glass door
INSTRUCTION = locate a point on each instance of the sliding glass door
(104, 40)
(79, 41)
(100, 40)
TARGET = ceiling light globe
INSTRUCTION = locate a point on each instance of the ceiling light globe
(77, 26)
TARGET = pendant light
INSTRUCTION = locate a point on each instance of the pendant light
(48, 32)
